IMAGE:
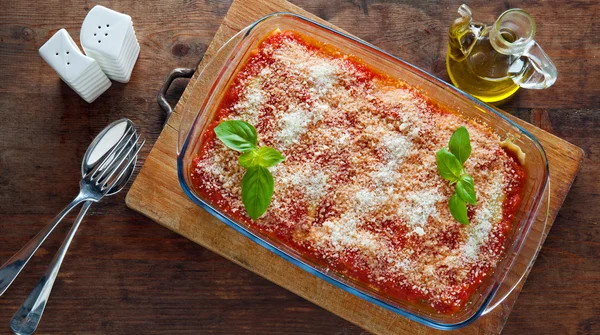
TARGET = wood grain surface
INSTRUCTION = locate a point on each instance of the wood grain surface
(156, 194)
(126, 274)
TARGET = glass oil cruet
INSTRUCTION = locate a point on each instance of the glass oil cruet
(491, 62)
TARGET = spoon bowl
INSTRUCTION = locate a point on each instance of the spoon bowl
(102, 144)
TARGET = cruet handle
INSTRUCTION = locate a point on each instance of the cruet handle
(534, 69)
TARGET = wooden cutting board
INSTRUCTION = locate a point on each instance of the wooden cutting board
(156, 193)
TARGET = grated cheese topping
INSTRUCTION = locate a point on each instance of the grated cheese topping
(359, 189)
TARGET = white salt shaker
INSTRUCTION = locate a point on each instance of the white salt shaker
(108, 37)
(82, 73)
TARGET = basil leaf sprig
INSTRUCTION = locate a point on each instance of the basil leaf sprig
(257, 183)
(450, 167)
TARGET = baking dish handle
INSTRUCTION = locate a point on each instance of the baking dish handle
(161, 96)
(510, 284)
(203, 86)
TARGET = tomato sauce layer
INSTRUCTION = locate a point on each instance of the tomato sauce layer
(359, 193)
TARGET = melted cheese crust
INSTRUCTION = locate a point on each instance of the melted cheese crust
(359, 191)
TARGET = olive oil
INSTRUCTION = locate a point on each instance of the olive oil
(491, 62)
(483, 72)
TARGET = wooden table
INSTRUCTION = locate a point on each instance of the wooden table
(126, 274)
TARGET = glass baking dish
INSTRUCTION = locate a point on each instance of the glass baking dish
(523, 243)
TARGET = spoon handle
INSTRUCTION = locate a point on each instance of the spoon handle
(27, 318)
(11, 269)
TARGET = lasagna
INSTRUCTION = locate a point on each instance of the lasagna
(359, 192)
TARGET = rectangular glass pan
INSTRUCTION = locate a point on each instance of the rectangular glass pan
(523, 242)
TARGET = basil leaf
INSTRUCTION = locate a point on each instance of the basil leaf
(460, 144)
(448, 166)
(237, 135)
(264, 156)
(269, 157)
(465, 188)
(249, 159)
(458, 209)
(257, 190)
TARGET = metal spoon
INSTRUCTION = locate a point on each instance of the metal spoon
(93, 186)
(27, 318)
